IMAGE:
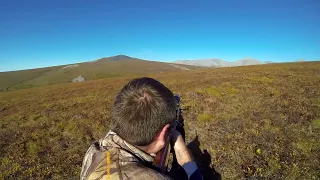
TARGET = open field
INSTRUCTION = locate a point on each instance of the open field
(255, 121)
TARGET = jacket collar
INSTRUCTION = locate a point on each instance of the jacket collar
(113, 140)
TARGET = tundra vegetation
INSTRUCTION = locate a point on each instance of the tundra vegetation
(255, 121)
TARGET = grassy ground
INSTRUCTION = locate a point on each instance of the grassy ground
(255, 121)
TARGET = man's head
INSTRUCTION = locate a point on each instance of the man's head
(143, 111)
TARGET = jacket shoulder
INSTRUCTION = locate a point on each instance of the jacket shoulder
(98, 164)
(137, 171)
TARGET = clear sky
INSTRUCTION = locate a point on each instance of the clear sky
(38, 33)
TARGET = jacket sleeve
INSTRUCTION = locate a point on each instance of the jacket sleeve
(192, 171)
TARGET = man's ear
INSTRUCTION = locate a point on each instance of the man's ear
(162, 137)
(159, 141)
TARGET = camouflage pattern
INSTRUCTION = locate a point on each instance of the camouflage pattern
(114, 158)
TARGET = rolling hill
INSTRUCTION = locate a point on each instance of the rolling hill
(219, 62)
(102, 68)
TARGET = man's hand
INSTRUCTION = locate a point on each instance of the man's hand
(182, 153)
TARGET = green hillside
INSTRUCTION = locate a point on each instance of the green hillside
(9, 80)
(256, 122)
(103, 68)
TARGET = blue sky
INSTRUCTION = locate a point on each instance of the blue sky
(39, 33)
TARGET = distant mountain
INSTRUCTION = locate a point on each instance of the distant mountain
(269, 62)
(219, 62)
(102, 68)
(117, 58)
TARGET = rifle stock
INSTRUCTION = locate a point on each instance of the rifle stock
(162, 157)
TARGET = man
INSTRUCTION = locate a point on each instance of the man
(141, 122)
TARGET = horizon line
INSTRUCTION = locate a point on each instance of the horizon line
(169, 61)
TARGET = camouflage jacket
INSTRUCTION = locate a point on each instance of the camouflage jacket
(114, 158)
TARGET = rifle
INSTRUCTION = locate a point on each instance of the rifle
(161, 161)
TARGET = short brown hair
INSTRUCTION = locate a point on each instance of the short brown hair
(141, 109)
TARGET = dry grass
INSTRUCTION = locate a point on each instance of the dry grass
(255, 121)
